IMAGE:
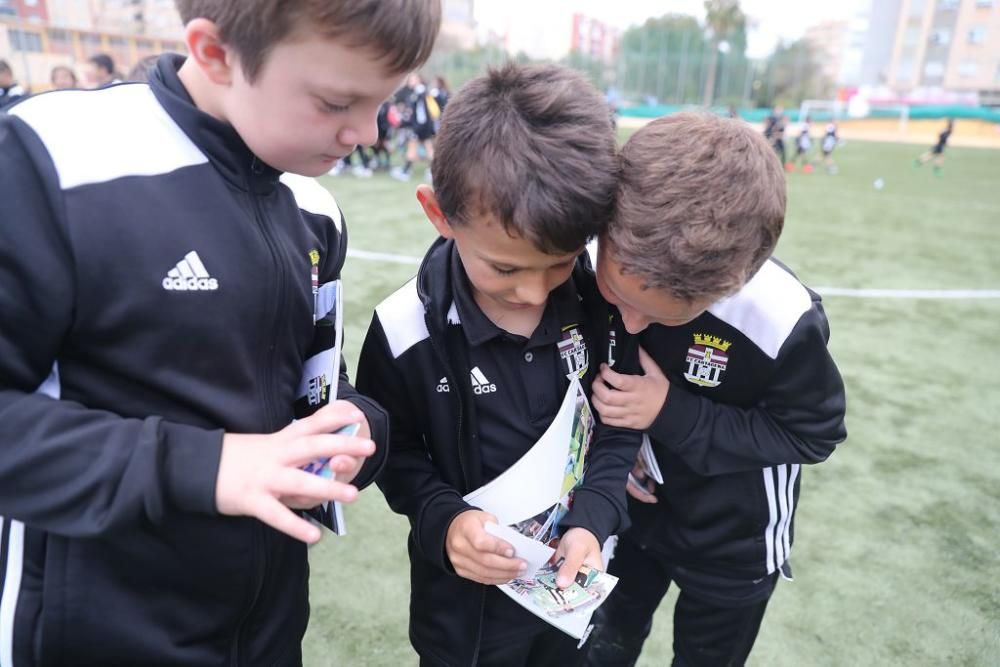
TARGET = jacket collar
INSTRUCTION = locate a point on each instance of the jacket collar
(218, 140)
(434, 286)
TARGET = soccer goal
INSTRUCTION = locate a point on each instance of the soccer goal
(820, 110)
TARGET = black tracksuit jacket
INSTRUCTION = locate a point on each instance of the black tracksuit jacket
(754, 394)
(165, 272)
(435, 458)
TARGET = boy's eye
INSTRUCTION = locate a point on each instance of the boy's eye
(332, 108)
(504, 272)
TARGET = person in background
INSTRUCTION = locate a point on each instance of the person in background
(936, 153)
(387, 121)
(422, 113)
(830, 141)
(774, 131)
(803, 143)
(440, 92)
(10, 90)
(63, 77)
(141, 70)
(99, 71)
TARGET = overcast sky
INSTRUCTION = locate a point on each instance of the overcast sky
(770, 19)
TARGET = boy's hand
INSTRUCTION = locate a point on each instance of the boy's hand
(577, 547)
(631, 401)
(640, 486)
(347, 467)
(477, 555)
(257, 471)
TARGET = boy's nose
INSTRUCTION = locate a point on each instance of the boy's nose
(367, 131)
(362, 132)
(534, 293)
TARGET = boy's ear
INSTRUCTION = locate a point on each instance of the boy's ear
(428, 201)
(206, 48)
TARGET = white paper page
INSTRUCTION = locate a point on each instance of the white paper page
(535, 554)
(534, 483)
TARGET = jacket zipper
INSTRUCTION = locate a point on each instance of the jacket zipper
(461, 412)
(267, 379)
(256, 168)
(257, 575)
(465, 479)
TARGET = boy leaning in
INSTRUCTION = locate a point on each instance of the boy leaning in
(159, 281)
(738, 388)
(467, 357)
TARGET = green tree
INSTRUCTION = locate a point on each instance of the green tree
(724, 20)
(658, 58)
(792, 73)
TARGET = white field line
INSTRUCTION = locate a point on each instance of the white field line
(824, 291)
(383, 257)
(909, 293)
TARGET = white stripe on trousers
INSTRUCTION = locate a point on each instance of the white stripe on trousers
(11, 589)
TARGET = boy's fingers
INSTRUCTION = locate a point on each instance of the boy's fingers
(487, 544)
(616, 380)
(279, 517)
(327, 419)
(308, 448)
(649, 367)
(602, 393)
(343, 462)
(611, 411)
(293, 482)
(573, 559)
(470, 568)
(498, 567)
(639, 493)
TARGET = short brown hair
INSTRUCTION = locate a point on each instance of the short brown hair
(701, 204)
(533, 146)
(401, 32)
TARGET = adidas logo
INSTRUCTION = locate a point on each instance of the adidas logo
(443, 387)
(480, 385)
(189, 275)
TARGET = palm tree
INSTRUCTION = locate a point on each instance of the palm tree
(722, 18)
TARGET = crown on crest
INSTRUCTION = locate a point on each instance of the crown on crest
(711, 341)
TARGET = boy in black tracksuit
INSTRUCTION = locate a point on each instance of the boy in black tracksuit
(162, 287)
(10, 91)
(738, 389)
(472, 358)
(936, 153)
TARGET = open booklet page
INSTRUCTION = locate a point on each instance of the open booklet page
(318, 385)
(529, 499)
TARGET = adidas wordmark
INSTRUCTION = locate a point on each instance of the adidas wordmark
(480, 385)
(190, 275)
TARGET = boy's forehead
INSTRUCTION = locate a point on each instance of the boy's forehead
(495, 241)
(332, 63)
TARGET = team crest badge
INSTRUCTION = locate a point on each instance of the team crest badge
(707, 360)
(573, 352)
